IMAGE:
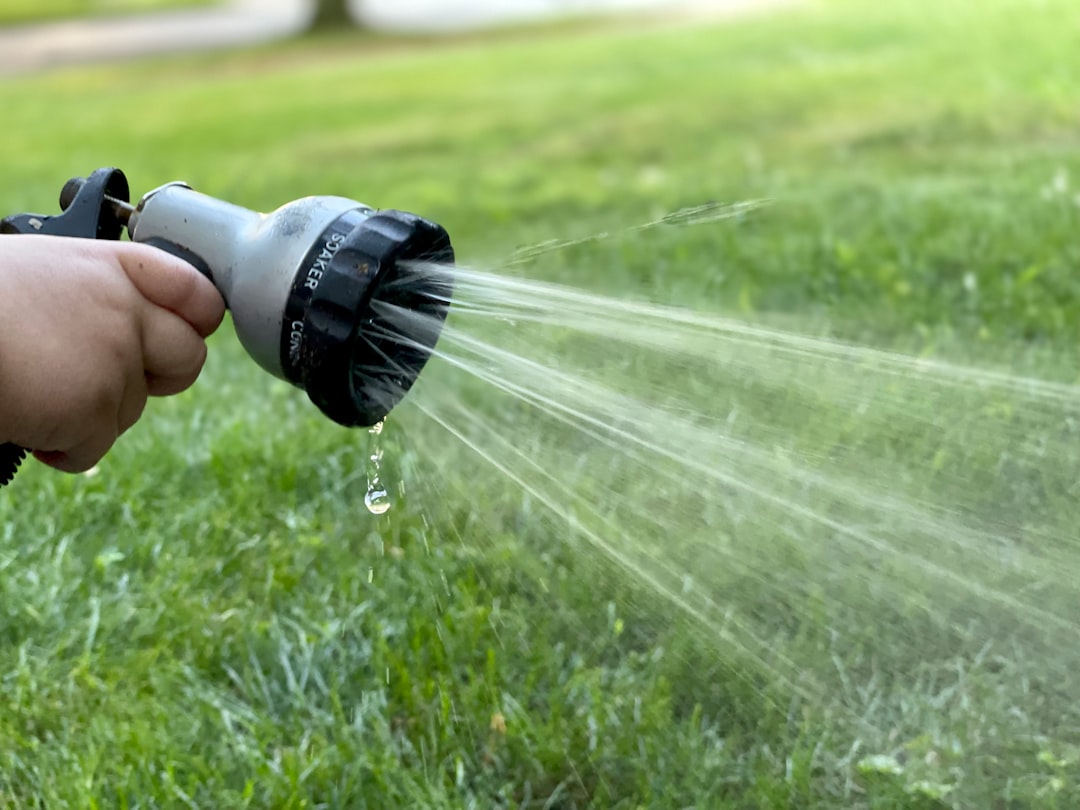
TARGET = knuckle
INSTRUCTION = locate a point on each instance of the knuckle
(190, 364)
(187, 281)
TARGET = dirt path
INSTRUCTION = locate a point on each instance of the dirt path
(32, 48)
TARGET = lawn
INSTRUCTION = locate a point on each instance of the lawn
(213, 619)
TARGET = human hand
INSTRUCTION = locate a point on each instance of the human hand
(88, 329)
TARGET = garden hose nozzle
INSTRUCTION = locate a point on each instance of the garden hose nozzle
(312, 287)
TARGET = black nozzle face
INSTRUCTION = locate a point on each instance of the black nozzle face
(365, 311)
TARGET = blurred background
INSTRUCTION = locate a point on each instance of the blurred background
(100, 29)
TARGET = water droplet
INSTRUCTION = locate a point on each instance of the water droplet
(377, 501)
(377, 498)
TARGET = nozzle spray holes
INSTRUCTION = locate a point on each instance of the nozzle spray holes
(377, 499)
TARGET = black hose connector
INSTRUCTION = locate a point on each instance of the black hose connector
(11, 456)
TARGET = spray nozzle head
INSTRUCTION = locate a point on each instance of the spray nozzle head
(371, 316)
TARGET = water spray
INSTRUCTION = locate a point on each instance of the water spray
(303, 283)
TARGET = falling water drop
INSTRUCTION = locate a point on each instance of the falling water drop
(377, 499)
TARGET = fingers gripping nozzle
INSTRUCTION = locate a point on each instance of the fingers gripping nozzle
(93, 208)
(339, 299)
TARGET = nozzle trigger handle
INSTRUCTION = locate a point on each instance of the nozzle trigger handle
(89, 209)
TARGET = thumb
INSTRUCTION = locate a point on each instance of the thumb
(173, 284)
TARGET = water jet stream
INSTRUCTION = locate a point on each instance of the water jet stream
(786, 492)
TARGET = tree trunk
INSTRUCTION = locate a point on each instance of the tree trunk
(331, 14)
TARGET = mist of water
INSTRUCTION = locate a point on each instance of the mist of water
(812, 507)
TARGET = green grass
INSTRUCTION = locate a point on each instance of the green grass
(24, 11)
(214, 619)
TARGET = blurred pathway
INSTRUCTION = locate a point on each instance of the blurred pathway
(28, 48)
(35, 47)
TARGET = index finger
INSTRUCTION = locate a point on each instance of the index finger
(173, 284)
